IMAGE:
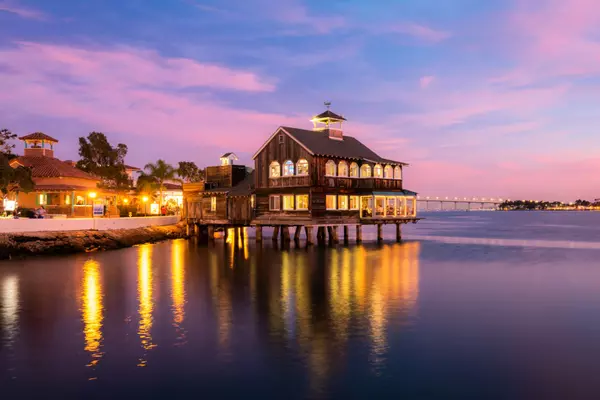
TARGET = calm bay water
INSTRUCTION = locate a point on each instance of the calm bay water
(471, 305)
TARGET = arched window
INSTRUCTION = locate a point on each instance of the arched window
(354, 170)
(365, 171)
(302, 167)
(343, 168)
(330, 168)
(288, 168)
(377, 171)
(274, 170)
(388, 172)
(397, 173)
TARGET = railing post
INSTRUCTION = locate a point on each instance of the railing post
(358, 233)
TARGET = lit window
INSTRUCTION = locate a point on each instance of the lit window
(354, 170)
(330, 168)
(213, 204)
(288, 202)
(302, 202)
(379, 206)
(342, 202)
(366, 207)
(42, 199)
(388, 172)
(274, 170)
(390, 210)
(365, 171)
(411, 206)
(274, 203)
(67, 199)
(302, 167)
(378, 171)
(400, 207)
(79, 200)
(354, 202)
(343, 168)
(253, 202)
(397, 173)
(330, 202)
(288, 168)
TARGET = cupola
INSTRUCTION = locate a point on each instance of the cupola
(329, 122)
(38, 144)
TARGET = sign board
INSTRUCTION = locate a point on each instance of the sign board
(98, 210)
(154, 209)
(10, 205)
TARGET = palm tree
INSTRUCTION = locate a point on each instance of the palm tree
(160, 171)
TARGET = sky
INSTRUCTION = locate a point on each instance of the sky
(495, 98)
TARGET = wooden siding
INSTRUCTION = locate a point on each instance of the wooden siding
(225, 176)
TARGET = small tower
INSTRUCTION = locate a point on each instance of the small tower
(228, 159)
(328, 122)
(38, 144)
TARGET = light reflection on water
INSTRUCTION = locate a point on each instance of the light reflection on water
(443, 316)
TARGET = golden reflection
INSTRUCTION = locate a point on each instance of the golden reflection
(92, 310)
(10, 308)
(146, 301)
(178, 285)
(221, 302)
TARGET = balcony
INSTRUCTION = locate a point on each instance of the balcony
(363, 183)
(289, 181)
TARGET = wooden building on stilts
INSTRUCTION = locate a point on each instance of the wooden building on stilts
(314, 181)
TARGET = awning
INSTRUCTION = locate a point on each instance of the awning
(400, 193)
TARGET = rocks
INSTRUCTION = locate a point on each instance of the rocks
(40, 243)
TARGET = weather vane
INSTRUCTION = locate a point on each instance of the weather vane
(327, 104)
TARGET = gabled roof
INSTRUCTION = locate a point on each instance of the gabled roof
(49, 167)
(331, 115)
(172, 186)
(132, 167)
(228, 154)
(38, 136)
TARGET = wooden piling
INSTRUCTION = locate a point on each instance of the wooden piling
(285, 233)
(226, 233)
(259, 233)
(358, 233)
(211, 232)
(334, 231)
(346, 236)
(321, 235)
(276, 233)
(187, 230)
(309, 234)
(398, 233)
(297, 234)
(380, 232)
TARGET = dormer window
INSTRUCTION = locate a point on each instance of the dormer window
(388, 172)
(274, 170)
(378, 171)
(343, 168)
(288, 168)
(330, 168)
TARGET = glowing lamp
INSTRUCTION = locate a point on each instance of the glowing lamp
(92, 195)
(145, 199)
(125, 201)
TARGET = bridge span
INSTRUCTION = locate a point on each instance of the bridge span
(456, 203)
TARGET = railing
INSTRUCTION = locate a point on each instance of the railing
(363, 183)
(288, 181)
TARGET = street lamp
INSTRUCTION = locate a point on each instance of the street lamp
(145, 200)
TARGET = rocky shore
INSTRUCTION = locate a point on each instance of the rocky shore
(44, 243)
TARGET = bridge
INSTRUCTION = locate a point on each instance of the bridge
(452, 203)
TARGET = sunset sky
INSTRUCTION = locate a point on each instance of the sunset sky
(497, 98)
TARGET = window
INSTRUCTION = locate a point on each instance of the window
(354, 170)
(388, 172)
(213, 204)
(302, 167)
(401, 207)
(288, 202)
(68, 199)
(288, 168)
(397, 173)
(330, 168)
(365, 171)
(274, 170)
(280, 139)
(274, 203)
(366, 207)
(379, 206)
(343, 168)
(378, 171)
(411, 206)
(342, 202)
(79, 200)
(253, 201)
(390, 210)
(302, 202)
(330, 202)
(354, 202)
(42, 199)
(53, 199)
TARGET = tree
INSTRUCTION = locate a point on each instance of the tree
(99, 158)
(188, 171)
(160, 171)
(14, 179)
(6, 137)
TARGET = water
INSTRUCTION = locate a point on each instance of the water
(472, 305)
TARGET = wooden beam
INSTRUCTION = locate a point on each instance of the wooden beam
(297, 233)
(309, 234)
(259, 233)
(358, 233)
(226, 233)
(398, 232)
(346, 236)
(379, 232)
(276, 233)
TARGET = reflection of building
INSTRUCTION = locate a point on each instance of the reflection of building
(59, 186)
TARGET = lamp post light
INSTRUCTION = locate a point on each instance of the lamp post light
(92, 195)
(145, 200)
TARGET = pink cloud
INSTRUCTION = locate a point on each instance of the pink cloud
(23, 12)
(425, 81)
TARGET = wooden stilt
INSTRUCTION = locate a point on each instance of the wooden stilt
(226, 233)
(259, 233)
(398, 232)
(297, 233)
(321, 235)
(309, 235)
(211, 232)
(380, 232)
(358, 233)
(346, 236)
(330, 234)
(285, 233)
(334, 231)
(276, 233)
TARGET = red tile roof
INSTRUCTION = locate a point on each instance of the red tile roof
(49, 167)
(38, 136)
